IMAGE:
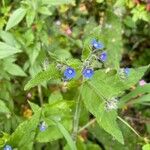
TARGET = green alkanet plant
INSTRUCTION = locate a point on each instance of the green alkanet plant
(96, 82)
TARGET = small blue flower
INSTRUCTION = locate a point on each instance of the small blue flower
(7, 147)
(69, 73)
(88, 73)
(103, 56)
(43, 126)
(127, 71)
(97, 45)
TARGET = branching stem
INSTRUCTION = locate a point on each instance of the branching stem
(77, 116)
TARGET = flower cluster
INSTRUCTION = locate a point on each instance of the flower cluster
(111, 104)
(88, 71)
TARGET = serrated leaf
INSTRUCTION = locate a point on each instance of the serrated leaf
(15, 18)
(7, 50)
(50, 73)
(107, 120)
(102, 87)
(3, 107)
(25, 132)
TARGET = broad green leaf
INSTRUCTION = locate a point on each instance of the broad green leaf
(3, 107)
(50, 73)
(15, 18)
(58, 110)
(7, 50)
(14, 69)
(66, 135)
(52, 133)
(106, 119)
(112, 40)
(25, 133)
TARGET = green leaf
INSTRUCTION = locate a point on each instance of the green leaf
(7, 50)
(99, 1)
(45, 11)
(3, 107)
(49, 74)
(30, 16)
(9, 38)
(25, 133)
(67, 136)
(52, 132)
(146, 147)
(55, 3)
(133, 94)
(15, 18)
(34, 107)
(106, 119)
(59, 110)
(14, 69)
(55, 96)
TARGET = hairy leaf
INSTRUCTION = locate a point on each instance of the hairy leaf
(50, 73)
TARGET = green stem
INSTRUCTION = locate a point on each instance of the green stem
(3, 3)
(87, 125)
(77, 116)
(40, 94)
(129, 126)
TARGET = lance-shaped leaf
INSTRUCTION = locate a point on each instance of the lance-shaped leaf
(7, 50)
(15, 18)
(50, 73)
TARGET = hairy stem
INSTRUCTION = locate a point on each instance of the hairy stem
(87, 125)
(77, 116)
(40, 94)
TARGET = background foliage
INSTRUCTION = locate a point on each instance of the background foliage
(39, 39)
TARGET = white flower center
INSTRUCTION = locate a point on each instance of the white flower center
(70, 71)
(88, 71)
(95, 44)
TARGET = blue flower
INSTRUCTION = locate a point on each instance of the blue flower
(127, 71)
(103, 56)
(96, 44)
(43, 126)
(88, 73)
(7, 147)
(69, 73)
